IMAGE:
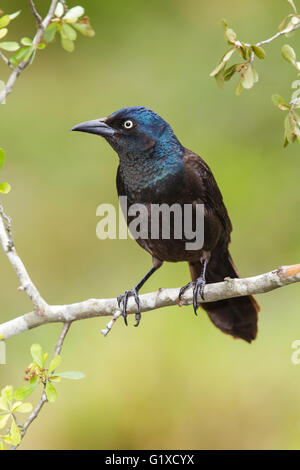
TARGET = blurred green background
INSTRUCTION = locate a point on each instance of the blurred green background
(176, 381)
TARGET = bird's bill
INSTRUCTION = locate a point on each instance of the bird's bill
(96, 126)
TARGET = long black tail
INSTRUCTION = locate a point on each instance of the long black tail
(237, 316)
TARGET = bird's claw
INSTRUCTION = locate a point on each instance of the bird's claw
(138, 317)
(185, 288)
(123, 298)
(198, 288)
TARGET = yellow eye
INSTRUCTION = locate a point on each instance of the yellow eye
(128, 124)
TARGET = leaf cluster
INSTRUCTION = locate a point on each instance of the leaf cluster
(67, 24)
(248, 76)
(11, 401)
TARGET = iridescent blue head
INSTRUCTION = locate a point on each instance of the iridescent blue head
(135, 132)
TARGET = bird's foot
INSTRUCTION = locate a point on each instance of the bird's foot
(198, 288)
(123, 298)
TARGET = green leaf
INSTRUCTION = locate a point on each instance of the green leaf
(219, 67)
(54, 364)
(223, 62)
(16, 58)
(59, 10)
(4, 406)
(33, 380)
(37, 355)
(42, 45)
(45, 358)
(228, 73)
(229, 34)
(3, 420)
(74, 375)
(23, 54)
(15, 434)
(14, 15)
(255, 74)
(32, 56)
(5, 188)
(22, 408)
(51, 392)
(2, 157)
(289, 130)
(50, 32)
(7, 393)
(73, 14)
(68, 32)
(220, 78)
(288, 54)
(84, 29)
(248, 78)
(228, 55)
(67, 44)
(54, 378)
(29, 53)
(9, 46)
(280, 103)
(4, 21)
(26, 41)
(244, 51)
(24, 391)
(258, 51)
(3, 32)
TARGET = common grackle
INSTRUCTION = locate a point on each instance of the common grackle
(154, 169)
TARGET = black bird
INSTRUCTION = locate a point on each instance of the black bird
(154, 169)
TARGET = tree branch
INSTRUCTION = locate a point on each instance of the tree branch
(36, 41)
(7, 242)
(44, 313)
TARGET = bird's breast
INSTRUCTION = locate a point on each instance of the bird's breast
(150, 183)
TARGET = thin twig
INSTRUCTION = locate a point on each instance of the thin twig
(38, 17)
(111, 323)
(33, 415)
(61, 339)
(275, 36)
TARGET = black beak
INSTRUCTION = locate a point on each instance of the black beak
(97, 126)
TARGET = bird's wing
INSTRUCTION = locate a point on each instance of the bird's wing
(203, 185)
